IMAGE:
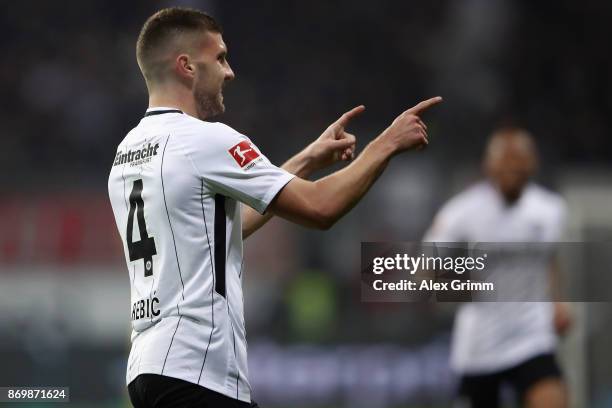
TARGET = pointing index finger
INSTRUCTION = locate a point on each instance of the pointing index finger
(346, 117)
(426, 104)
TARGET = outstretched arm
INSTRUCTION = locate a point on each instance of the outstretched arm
(321, 203)
(333, 145)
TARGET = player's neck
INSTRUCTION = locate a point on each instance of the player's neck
(168, 100)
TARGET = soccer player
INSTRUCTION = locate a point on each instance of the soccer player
(514, 343)
(176, 188)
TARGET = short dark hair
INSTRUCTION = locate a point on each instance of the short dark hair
(165, 25)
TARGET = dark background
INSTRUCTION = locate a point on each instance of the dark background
(72, 89)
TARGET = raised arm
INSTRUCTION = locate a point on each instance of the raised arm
(321, 203)
(333, 145)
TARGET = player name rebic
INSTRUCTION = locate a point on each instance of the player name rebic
(130, 155)
(145, 308)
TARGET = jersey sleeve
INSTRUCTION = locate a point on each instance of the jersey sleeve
(447, 225)
(230, 164)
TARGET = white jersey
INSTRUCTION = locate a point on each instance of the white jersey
(175, 188)
(490, 337)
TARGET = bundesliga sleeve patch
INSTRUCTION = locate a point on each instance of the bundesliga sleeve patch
(244, 153)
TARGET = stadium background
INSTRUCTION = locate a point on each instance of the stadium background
(71, 90)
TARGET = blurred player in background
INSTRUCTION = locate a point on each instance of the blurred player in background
(176, 185)
(512, 343)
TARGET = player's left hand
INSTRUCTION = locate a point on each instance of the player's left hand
(562, 318)
(335, 143)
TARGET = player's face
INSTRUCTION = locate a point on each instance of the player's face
(510, 169)
(213, 71)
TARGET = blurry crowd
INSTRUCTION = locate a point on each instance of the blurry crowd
(72, 89)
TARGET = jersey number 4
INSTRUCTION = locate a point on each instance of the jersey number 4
(145, 248)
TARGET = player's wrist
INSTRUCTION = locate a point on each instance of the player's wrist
(383, 146)
(309, 160)
(302, 164)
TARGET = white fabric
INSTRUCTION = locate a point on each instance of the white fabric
(191, 332)
(487, 336)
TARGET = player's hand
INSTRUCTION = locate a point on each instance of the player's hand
(408, 131)
(335, 143)
(562, 318)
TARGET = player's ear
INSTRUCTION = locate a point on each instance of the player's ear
(533, 166)
(185, 66)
